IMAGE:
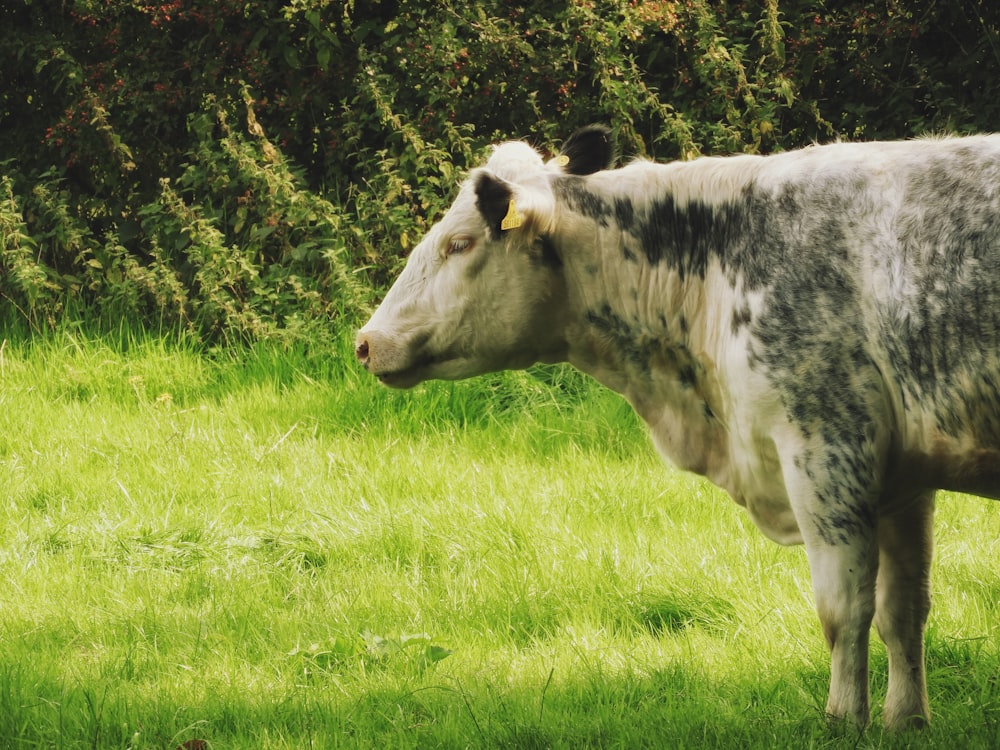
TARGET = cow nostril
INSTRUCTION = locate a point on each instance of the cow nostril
(362, 351)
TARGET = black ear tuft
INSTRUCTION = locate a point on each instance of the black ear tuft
(589, 150)
(493, 201)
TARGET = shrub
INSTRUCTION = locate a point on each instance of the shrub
(247, 170)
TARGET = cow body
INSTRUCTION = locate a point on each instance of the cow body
(817, 332)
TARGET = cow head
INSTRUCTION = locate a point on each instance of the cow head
(483, 290)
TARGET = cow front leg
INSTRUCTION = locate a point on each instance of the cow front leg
(833, 489)
(903, 601)
(844, 584)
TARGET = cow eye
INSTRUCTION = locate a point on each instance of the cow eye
(459, 245)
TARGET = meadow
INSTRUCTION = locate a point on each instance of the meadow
(262, 548)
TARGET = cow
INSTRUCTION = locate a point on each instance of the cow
(817, 332)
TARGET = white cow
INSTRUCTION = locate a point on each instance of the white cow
(817, 332)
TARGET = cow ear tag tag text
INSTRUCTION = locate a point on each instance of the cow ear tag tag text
(512, 220)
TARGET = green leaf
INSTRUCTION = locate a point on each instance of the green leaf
(434, 654)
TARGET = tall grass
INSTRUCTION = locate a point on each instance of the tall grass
(265, 549)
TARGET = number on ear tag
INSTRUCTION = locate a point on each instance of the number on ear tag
(513, 219)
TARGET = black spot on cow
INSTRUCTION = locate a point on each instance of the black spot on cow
(741, 317)
(627, 342)
(641, 350)
(574, 194)
(842, 522)
(686, 375)
(686, 236)
(625, 213)
(547, 254)
(683, 236)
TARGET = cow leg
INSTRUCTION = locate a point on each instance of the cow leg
(844, 584)
(903, 601)
(837, 519)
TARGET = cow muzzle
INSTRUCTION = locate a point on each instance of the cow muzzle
(372, 348)
(361, 351)
(395, 360)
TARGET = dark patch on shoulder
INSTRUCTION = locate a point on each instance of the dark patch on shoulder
(741, 317)
(685, 236)
(682, 236)
(574, 193)
(811, 341)
(625, 213)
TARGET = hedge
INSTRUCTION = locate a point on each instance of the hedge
(255, 170)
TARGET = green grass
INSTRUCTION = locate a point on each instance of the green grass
(265, 549)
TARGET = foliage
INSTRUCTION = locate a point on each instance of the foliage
(246, 170)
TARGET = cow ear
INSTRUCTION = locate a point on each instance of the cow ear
(495, 201)
(588, 150)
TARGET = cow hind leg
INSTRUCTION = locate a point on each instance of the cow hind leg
(903, 601)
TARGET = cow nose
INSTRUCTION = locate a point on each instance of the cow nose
(361, 352)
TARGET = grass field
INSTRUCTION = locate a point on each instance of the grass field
(264, 549)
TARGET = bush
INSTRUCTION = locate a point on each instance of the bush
(247, 170)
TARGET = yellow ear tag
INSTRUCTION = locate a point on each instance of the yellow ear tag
(513, 219)
(561, 161)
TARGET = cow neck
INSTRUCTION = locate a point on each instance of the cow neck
(644, 336)
(626, 314)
